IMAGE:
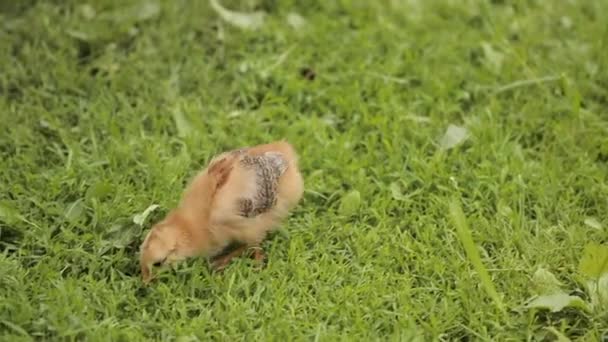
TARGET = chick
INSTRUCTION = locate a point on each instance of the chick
(265, 185)
(239, 198)
(184, 232)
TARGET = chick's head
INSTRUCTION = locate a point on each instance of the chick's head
(158, 249)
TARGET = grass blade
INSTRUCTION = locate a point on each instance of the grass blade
(464, 234)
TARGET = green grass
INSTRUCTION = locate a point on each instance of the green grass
(105, 112)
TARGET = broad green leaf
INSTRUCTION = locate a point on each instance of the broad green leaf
(545, 283)
(594, 262)
(464, 234)
(140, 219)
(350, 203)
(598, 291)
(557, 302)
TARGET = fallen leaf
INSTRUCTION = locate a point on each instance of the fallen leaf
(545, 283)
(453, 136)
(594, 262)
(350, 203)
(557, 302)
(249, 21)
(295, 20)
(593, 223)
(140, 219)
(75, 211)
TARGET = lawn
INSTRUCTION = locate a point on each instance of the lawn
(455, 156)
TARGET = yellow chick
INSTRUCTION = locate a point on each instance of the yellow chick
(239, 198)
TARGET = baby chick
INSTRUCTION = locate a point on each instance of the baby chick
(184, 232)
(239, 198)
(265, 185)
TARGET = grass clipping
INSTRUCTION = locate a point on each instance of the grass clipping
(464, 234)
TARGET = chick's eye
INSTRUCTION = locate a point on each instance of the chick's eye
(157, 264)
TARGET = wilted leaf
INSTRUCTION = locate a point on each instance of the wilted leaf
(99, 190)
(140, 219)
(295, 20)
(181, 123)
(593, 223)
(79, 35)
(87, 11)
(493, 58)
(557, 302)
(560, 337)
(147, 9)
(453, 136)
(544, 282)
(350, 203)
(141, 11)
(594, 262)
(504, 209)
(396, 191)
(75, 211)
(250, 21)
(8, 213)
(236, 113)
(566, 22)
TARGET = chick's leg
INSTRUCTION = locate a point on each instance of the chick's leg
(222, 261)
(258, 254)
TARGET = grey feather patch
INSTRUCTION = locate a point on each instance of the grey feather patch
(268, 167)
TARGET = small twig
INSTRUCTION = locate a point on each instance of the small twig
(389, 78)
(524, 83)
(279, 60)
